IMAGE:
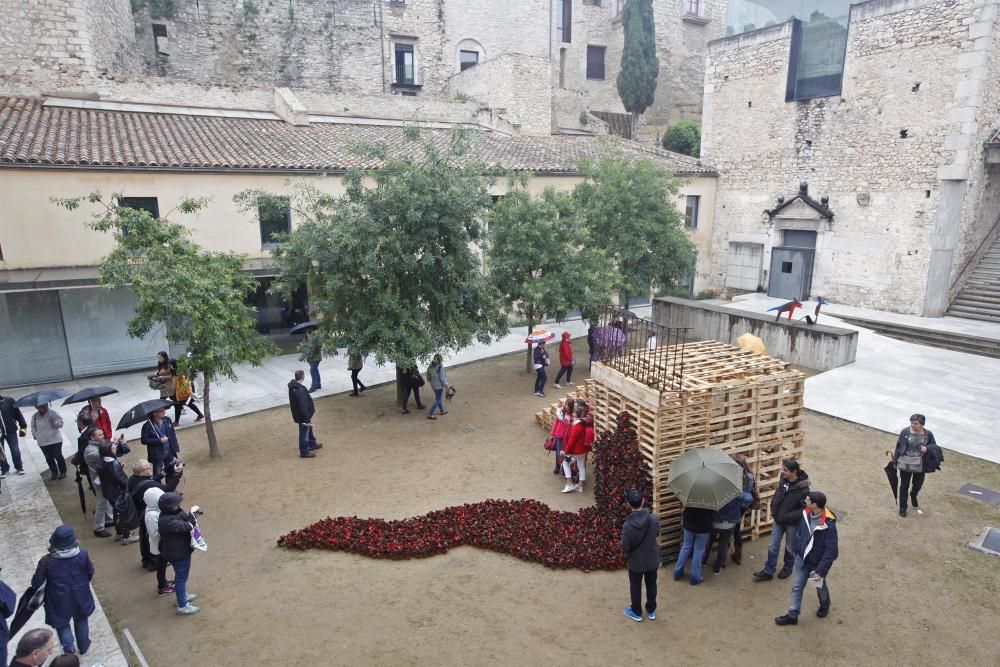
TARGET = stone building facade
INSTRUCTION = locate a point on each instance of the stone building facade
(899, 198)
(570, 49)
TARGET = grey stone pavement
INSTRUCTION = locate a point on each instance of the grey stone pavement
(28, 516)
(891, 379)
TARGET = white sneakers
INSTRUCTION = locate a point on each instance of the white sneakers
(557, 385)
(573, 488)
(188, 610)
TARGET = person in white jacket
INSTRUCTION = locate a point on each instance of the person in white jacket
(45, 429)
(152, 519)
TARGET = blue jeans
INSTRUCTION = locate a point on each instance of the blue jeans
(540, 379)
(15, 452)
(693, 543)
(307, 440)
(82, 630)
(800, 575)
(182, 568)
(777, 530)
(315, 383)
(438, 393)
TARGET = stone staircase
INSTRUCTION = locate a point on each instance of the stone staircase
(948, 340)
(979, 298)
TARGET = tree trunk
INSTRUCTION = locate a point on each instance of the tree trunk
(529, 362)
(213, 442)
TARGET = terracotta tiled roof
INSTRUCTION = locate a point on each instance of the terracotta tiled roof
(34, 134)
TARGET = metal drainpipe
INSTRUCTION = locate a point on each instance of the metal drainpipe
(381, 41)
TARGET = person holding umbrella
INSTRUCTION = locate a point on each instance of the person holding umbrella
(96, 411)
(66, 572)
(541, 358)
(916, 454)
(12, 425)
(160, 438)
(45, 429)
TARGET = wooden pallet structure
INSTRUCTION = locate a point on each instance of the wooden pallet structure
(547, 416)
(712, 395)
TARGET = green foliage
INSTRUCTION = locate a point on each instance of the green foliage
(640, 67)
(706, 294)
(541, 257)
(250, 9)
(391, 264)
(684, 136)
(462, 97)
(199, 295)
(158, 9)
(628, 210)
(584, 118)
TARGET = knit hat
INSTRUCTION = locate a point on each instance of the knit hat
(63, 537)
(169, 501)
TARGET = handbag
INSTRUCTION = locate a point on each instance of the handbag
(911, 463)
(550, 443)
(197, 539)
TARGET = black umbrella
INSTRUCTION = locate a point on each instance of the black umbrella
(27, 605)
(305, 327)
(141, 412)
(41, 398)
(89, 393)
(80, 476)
(890, 472)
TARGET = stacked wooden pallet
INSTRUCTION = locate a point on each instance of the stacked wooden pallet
(718, 396)
(547, 416)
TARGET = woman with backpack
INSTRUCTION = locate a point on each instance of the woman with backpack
(183, 395)
(576, 446)
(114, 485)
(438, 378)
(66, 572)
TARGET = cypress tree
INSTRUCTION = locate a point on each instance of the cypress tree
(640, 66)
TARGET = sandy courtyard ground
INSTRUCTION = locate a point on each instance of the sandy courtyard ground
(905, 591)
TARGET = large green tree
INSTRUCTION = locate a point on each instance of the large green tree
(627, 206)
(541, 258)
(684, 137)
(392, 266)
(199, 296)
(640, 66)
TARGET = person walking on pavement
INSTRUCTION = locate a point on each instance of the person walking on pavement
(103, 508)
(815, 549)
(164, 375)
(642, 553)
(786, 510)
(355, 363)
(412, 381)
(183, 395)
(566, 361)
(66, 572)
(45, 429)
(174, 526)
(438, 378)
(916, 454)
(541, 359)
(303, 410)
(312, 353)
(139, 483)
(151, 527)
(12, 426)
(160, 438)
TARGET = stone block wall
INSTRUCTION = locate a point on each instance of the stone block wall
(884, 150)
(514, 84)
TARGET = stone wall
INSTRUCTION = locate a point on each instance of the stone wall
(883, 151)
(514, 84)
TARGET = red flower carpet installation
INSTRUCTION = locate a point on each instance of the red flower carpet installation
(526, 529)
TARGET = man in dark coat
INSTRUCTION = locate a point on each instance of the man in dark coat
(34, 648)
(815, 549)
(160, 438)
(643, 553)
(303, 410)
(12, 425)
(140, 482)
(786, 510)
(8, 604)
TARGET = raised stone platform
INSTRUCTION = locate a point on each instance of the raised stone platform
(815, 346)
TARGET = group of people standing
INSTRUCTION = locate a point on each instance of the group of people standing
(572, 438)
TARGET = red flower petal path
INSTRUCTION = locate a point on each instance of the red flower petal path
(526, 529)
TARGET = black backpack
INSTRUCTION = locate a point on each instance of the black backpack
(126, 513)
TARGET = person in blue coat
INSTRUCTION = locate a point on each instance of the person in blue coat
(160, 438)
(8, 603)
(66, 571)
(815, 548)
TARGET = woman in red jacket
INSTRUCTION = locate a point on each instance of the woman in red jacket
(565, 360)
(560, 429)
(577, 447)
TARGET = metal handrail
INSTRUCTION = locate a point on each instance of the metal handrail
(133, 656)
(622, 342)
(990, 235)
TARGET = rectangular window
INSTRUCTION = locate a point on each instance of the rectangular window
(160, 41)
(405, 64)
(595, 62)
(694, 7)
(467, 59)
(619, 7)
(693, 202)
(275, 218)
(816, 66)
(148, 204)
(564, 20)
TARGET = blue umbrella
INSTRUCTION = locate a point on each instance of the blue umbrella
(41, 398)
(89, 393)
(305, 327)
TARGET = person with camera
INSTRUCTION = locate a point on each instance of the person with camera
(160, 438)
(642, 553)
(174, 526)
(12, 425)
(139, 484)
(91, 439)
(114, 483)
(46, 429)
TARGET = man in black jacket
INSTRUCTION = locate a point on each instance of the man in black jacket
(643, 553)
(303, 410)
(175, 547)
(786, 510)
(12, 425)
(140, 482)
